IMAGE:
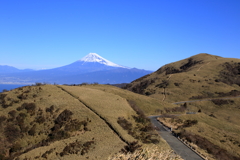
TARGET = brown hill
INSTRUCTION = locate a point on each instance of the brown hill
(74, 122)
(213, 125)
(199, 76)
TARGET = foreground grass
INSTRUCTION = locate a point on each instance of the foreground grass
(147, 154)
(46, 122)
(91, 138)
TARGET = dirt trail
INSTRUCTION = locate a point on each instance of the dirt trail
(202, 66)
(169, 76)
(164, 94)
(164, 89)
(109, 125)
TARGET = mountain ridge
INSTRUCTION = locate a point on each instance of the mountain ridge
(83, 70)
(10, 69)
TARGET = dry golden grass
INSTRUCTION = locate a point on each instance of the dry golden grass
(192, 82)
(106, 141)
(109, 106)
(147, 154)
(218, 132)
(111, 103)
(219, 124)
(102, 107)
(148, 105)
(208, 127)
(227, 112)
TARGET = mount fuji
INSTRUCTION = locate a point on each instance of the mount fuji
(90, 63)
(91, 68)
(94, 57)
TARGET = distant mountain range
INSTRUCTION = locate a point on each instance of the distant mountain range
(91, 68)
(10, 69)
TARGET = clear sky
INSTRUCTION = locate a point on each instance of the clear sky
(145, 34)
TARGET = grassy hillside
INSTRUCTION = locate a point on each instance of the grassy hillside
(214, 128)
(199, 76)
(74, 122)
(149, 105)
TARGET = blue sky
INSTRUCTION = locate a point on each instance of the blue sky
(145, 34)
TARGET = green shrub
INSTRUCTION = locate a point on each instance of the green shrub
(12, 113)
(11, 132)
(2, 119)
(131, 147)
(15, 147)
(63, 117)
(189, 123)
(32, 131)
(40, 119)
(55, 136)
(124, 123)
(22, 96)
(50, 109)
(29, 106)
(220, 102)
(75, 125)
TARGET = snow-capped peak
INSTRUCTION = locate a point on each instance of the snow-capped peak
(94, 57)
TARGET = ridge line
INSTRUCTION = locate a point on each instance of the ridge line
(109, 125)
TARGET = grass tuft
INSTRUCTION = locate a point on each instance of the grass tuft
(147, 154)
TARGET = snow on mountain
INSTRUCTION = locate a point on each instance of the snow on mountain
(91, 68)
(94, 57)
